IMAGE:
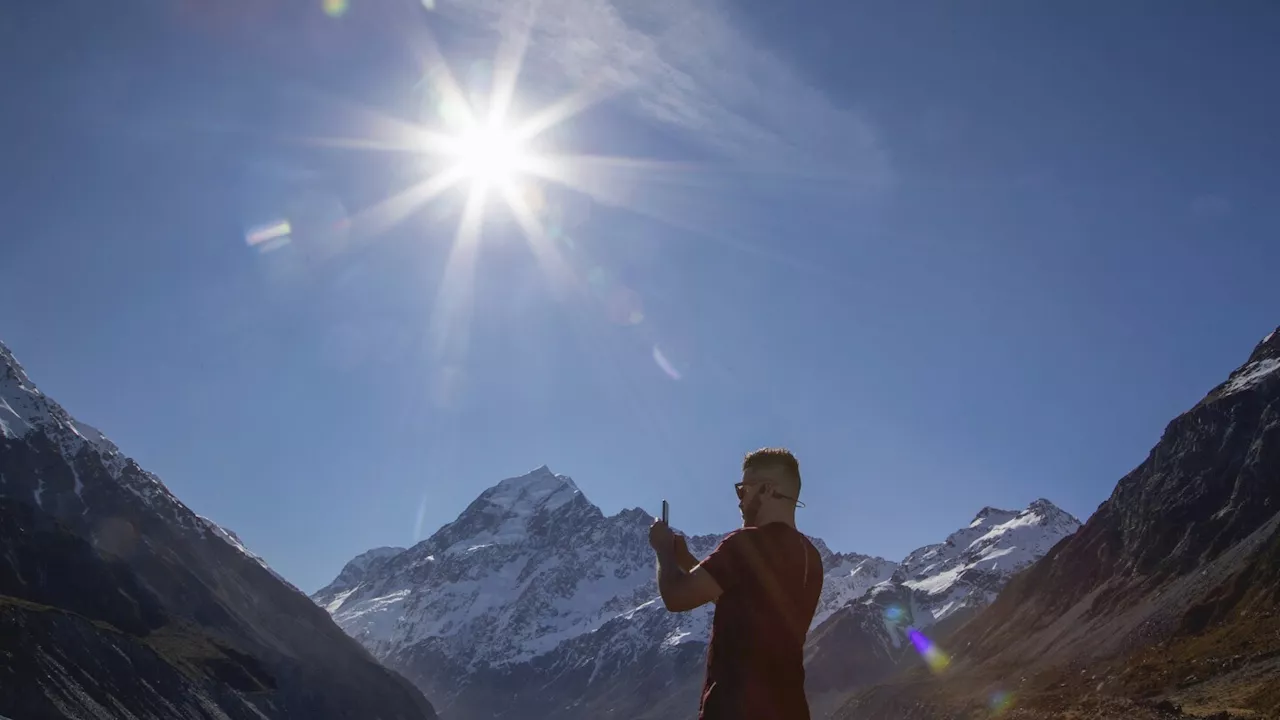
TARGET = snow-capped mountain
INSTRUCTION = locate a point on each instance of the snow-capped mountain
(528, 565)
(26, 412)
(532, 586)
(530, 581)
(116, 600)
(848, 576)
(973, 564)
(934, 590)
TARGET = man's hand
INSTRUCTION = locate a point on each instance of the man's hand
(684, 559)
(661, 539)
(682, 583)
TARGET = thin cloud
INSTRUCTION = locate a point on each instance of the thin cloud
(691, 68)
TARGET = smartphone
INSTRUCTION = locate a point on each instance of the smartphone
(664, 513)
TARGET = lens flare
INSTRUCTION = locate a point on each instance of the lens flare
(665, 364)
(417, 524)
(624, 307)
(335, 8)
(270, 236)
(534, 197)
(933, 656)
(1001, 702)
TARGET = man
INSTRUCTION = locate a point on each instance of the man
(765, 579)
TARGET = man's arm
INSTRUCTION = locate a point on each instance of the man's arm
(684, 590)
(684, 558)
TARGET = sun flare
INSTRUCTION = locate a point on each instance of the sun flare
(489, 156)
(479, 145)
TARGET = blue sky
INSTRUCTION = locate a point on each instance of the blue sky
(952, 256)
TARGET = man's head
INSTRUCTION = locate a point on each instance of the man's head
(770, 486)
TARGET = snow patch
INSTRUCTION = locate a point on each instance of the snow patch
(375, 618)
(336, 604)
(849, 580)
(12, 425)
(933, 584)
(1251, 375)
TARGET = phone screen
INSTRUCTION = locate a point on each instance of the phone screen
(664, 511)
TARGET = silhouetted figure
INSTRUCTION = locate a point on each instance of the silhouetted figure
(765, 579)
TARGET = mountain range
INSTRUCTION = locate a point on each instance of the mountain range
(533, 604)
(118, 601)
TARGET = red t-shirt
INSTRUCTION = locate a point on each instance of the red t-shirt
(771, 577)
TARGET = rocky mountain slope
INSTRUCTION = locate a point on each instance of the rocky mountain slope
(116, 600)
(933, 591)
(534, 604)
(1166, 602)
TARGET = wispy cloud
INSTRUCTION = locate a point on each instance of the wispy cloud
(688, 66)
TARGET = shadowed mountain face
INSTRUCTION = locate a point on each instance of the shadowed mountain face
(117, 601)
(534, 604)
(1169, 594)
(83, 637)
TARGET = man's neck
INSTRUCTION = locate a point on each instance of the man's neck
(766, 518)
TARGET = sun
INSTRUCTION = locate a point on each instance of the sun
(492, 146)
(489, 155)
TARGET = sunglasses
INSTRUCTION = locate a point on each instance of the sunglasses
(741, 489)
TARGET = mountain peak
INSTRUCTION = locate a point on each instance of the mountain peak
(378, 553)
(636, 515)
(992, 516)
(19, 397)
(355, 571)
(1261, 367)
(1045, 508)
(24, 409)
(1003, 540)
(512, 511)
(537, 488)
(1041, 507)
(13, 369)
(1268, 347)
